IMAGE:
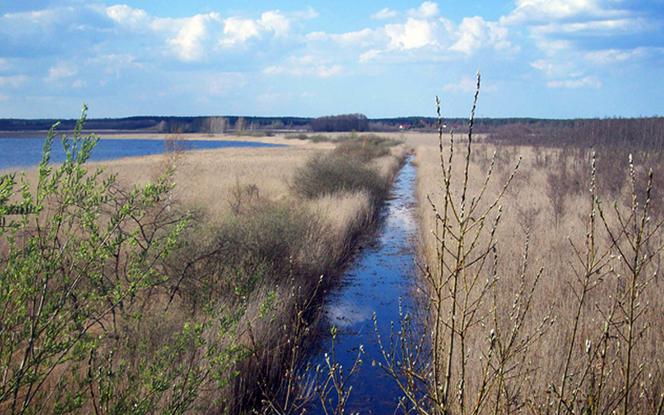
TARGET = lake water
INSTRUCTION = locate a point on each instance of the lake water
(26, 152)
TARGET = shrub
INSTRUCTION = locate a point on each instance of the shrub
(365, 148)
(264, 243)
(80, 269)
(326, 174)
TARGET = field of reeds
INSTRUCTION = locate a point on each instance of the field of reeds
(178, 283)
(190, 282)
(541, 266)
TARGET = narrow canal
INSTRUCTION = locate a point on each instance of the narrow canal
(381, 279)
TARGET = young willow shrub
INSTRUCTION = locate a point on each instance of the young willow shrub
(80, 266)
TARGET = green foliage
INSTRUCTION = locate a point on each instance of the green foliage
(78, 272)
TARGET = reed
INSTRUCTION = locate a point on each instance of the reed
(555, 312)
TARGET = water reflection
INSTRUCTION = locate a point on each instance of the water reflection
(379, 281)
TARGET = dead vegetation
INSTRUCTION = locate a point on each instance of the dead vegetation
(543, 279)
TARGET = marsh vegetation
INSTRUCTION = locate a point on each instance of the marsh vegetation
(542, 264)
(191, 283)
(122, 298)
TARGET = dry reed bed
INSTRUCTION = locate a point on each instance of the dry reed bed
(546, 216)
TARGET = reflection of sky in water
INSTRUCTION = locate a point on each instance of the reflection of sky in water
(378, 278)
(347, 314)
(401, 216)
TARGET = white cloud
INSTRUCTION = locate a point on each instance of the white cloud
(183, 36)
(115, 63)
(561, 28)
(308, 14)
(38, 17)
(318, 71)
(553, 47)
(238, 31)
(471, 35)
(426, 10)
(594, 27)
(188, 37)
(613, 56)
(307, 65)
(422, 35)
(414, 34)
(4, 64)
(468, 85)
(327, 71)
(187, 44)
(370, 55)
(126, 15)
(585, 82)
(474, 33)
(608, 56)
(361, 37)
(384, 14)
(79, 84)
(549, 68)
(61, 70)
(223, 83)
(465, 84)
(275, 22)
(558, 68)
(547, 10)
(316, 36)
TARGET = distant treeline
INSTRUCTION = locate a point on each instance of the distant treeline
(506, 130)
(635, 133)
(165, 124)
(346, 122)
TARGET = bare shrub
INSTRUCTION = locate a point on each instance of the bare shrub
(556, 191)
(331, 173)
(578, 334)
(365, 148)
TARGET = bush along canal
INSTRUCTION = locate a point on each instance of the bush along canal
(366, 306)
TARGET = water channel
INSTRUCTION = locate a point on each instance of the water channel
(380, 280)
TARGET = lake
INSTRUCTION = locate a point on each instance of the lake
(26, 152)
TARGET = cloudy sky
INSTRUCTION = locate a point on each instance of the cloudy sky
(538, 58)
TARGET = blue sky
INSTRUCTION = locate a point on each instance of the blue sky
(538, 58)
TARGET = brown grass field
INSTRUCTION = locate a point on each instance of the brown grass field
(583, 341)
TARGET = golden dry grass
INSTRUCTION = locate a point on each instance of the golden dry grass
(206, 178)
(527, 210)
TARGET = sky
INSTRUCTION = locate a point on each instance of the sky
(537, 58)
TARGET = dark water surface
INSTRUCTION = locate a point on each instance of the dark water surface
(26, 152)
(382, 277)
